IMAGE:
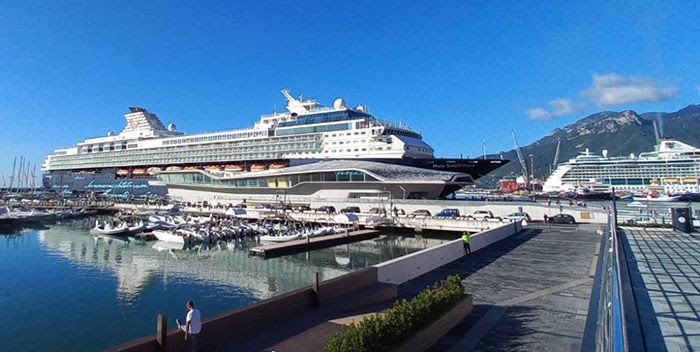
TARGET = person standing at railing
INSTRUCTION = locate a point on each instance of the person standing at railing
(465, 240)
(192, 327)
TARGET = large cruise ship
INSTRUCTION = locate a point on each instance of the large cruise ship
(125, 164)
(672, 168)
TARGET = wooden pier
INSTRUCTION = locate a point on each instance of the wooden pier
(312, 243)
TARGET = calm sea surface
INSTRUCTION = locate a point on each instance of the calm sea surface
(62, 289)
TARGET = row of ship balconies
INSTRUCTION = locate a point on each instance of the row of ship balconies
(152, 156)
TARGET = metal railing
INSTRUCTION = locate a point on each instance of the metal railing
(611, 327)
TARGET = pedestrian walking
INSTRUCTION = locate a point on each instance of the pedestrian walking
(192, 327)
(465, 240)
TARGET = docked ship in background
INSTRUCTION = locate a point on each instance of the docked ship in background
(126, 164)
(672, 168)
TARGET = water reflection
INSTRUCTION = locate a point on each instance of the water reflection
(225, 265)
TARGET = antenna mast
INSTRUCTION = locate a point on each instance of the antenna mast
(484, 141)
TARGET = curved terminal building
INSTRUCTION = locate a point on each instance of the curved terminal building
(323, 179)
(296, 151)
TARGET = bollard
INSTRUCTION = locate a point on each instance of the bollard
(316, 288)
(161, 331)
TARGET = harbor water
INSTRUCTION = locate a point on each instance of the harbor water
(64, 289)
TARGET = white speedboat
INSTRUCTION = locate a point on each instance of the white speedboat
(169, 236)
(137, 227)
(108, 228)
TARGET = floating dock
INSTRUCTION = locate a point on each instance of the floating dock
(312, 243)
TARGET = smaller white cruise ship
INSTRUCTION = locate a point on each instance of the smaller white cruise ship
(672, 168)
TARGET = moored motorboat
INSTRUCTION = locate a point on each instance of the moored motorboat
(108, 228)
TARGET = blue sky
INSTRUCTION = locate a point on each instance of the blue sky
(460, 72)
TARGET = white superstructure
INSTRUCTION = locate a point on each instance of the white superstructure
(673, 167)
(306, 131)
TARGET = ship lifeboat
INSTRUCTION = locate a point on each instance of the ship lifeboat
(123, 172)
(214, 168)
(690, 180)
(191, 168)
(258, 167)
(173, 168)
(139, 171)
(233, 168)
(153, 170)
(278, 165)
(670, 180)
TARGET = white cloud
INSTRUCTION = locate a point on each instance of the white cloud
(613, 89)
(560, 107)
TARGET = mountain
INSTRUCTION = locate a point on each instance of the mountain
(621, 133)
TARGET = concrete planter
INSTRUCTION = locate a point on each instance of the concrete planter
(429, 335)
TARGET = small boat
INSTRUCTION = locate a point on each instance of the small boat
(214, 168)
(108, 228)
(139, 171)
(123, 172)
(173, 168)
(191, 168)
(153, 170)
(137, 227)
(233, 168)
(169, 236)
(278, 166)
(258, 167)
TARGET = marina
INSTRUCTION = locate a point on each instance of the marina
(122, 283)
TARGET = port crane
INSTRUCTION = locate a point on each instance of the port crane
(521, 159)
(657, 135)
(556, 156)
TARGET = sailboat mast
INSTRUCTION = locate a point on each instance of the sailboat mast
(12, 175)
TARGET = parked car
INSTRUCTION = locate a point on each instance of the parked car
(326, 209)
(642, 220)
(518, 216)
(481, 214)
(448, 213)
(420, 213)
(302, 208)
(350, 210)
(562, 219)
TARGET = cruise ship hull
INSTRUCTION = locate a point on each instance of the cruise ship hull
(108, 183)
(102, 182)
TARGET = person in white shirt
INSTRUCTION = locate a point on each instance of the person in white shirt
(192, 327)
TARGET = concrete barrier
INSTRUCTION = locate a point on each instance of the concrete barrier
(222, 327)
(402, 269)
(485, 238)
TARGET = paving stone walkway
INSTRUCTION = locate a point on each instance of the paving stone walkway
(531, 291)
(666, 285)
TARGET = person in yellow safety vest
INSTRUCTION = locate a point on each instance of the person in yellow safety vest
(465, 239)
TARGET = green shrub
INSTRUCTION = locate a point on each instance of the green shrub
(381, 332)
